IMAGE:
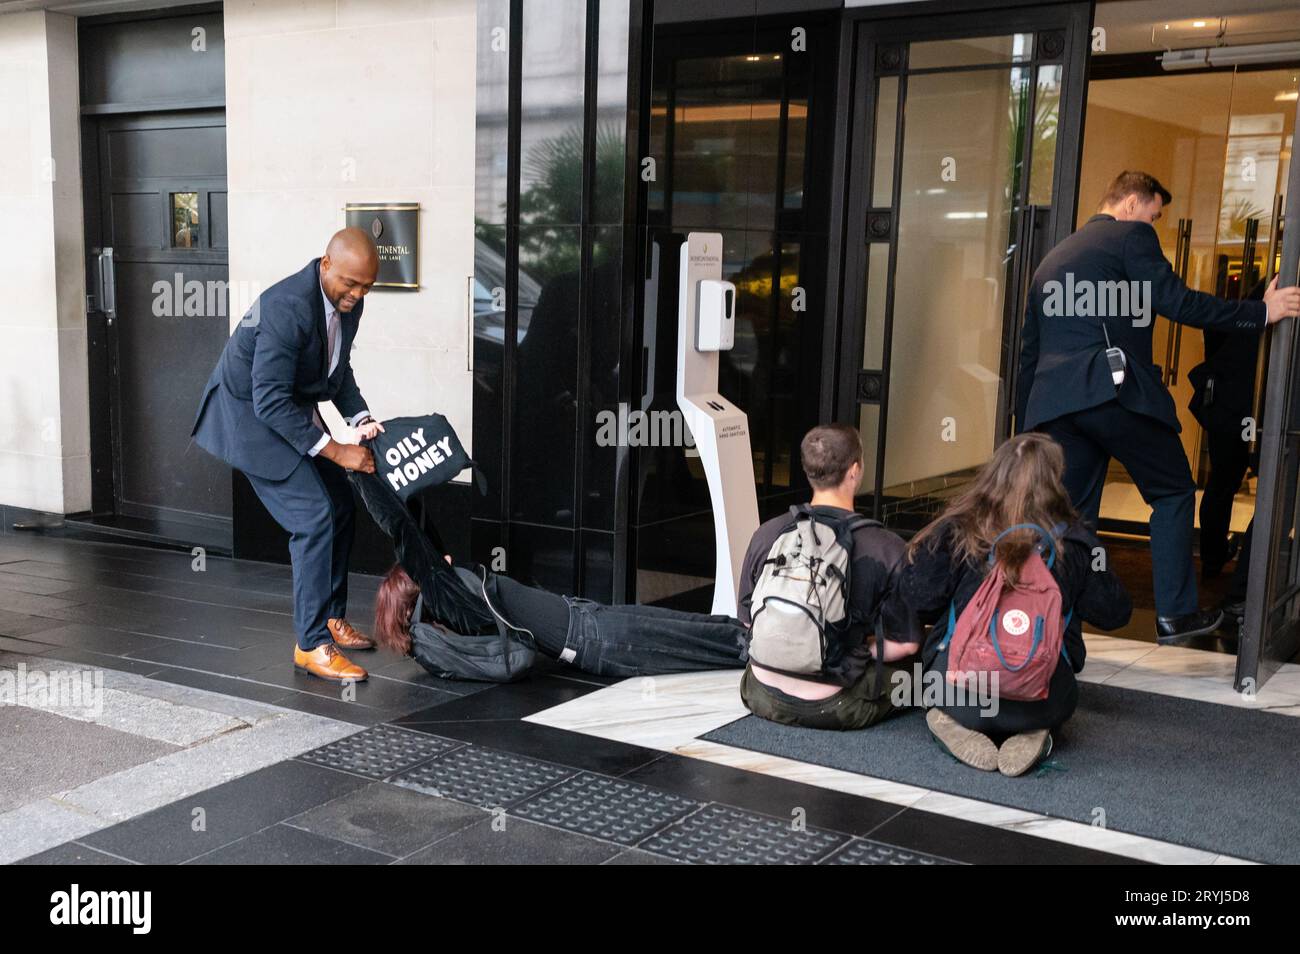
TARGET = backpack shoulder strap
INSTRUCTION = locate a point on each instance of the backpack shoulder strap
(952, 626)
(1043, 535)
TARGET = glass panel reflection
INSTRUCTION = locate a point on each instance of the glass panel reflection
(185, 219)
(882, 189)
(945, 355)
(551, 112)
(491, 101)
(1047, 109)
(970, 51)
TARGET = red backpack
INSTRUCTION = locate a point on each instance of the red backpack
(1016, 631)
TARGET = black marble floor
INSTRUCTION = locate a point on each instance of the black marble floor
(438, 771)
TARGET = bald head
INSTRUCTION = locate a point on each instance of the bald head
(348, 268)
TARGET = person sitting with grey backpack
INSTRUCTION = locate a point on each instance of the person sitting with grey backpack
(817, 595)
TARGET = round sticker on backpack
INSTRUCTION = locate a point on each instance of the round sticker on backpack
(1016, 622)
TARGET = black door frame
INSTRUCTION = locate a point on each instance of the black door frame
(1270, 633)
(867, 37)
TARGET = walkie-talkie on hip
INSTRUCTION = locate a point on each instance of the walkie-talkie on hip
(1115, 358)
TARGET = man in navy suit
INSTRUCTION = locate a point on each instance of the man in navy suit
(1098, 289)
(258, 414)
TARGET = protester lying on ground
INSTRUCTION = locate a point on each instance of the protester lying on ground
(604, 640)
(469, 623)
(1008, 573)
(816, 589)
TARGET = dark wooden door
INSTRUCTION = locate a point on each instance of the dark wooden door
(162, 203)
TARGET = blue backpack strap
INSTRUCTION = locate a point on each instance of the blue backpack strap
(1064, 626)
(1033, 649)
(1051, 541)
(952, 625)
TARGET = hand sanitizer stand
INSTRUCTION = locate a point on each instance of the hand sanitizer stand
(720, 429)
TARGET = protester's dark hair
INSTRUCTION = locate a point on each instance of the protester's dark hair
(1129, 182)
(827, 453)
(393, 606)
(1020, 484)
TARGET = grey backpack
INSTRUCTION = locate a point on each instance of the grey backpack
(800, 603)
(481, 658)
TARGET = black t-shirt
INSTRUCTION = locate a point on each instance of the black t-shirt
(874, 605)
(936, 578)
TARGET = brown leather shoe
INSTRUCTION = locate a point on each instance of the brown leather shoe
(346, 636)
(327, 662)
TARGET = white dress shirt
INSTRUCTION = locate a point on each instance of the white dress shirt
(334, 343)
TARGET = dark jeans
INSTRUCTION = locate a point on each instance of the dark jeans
(856, 707)
(1015, 715)
(1153, 455)
(621, 640)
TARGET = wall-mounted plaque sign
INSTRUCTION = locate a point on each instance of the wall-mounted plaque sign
(395, 227)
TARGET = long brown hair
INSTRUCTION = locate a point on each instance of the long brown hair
(393, 606)
(1020, 484)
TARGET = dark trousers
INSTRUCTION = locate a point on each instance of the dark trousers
(1229, 460)
(1153, 455)
(1241, 572)
(863, 704)
(620, 640)
(314, 504)
(1019, 715)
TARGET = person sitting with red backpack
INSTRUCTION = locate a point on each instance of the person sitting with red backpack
(817, 596)
(1007, 574)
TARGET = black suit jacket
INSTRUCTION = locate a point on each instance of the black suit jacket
(256, 409)
(1063, 365)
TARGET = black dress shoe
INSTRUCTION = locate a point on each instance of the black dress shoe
(1175, 630)
(1234, 611)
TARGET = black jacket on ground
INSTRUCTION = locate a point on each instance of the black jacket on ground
(446, 596)
(1063, 365)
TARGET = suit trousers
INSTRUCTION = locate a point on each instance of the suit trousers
(314, 504)
(1153, 455)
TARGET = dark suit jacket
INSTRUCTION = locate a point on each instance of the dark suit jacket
(256, 410)
(1063, 364)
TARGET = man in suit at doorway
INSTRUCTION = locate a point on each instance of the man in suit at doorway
(1089, 321)
(258, 414)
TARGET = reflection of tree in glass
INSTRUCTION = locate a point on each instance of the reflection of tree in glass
(1237, 214)
(551, 195)
(1042, 146)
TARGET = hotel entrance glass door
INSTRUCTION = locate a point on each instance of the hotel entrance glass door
(967, 144)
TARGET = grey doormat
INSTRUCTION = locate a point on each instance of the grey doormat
(1209, 776)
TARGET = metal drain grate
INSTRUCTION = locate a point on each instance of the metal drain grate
(718, 835)
(618, 811)
(379, 752)
(483, 777)
(859, 851)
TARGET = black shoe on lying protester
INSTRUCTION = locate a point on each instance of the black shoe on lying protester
(1176, 630)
